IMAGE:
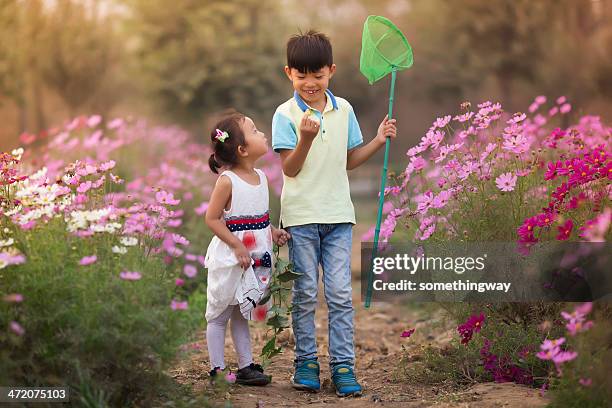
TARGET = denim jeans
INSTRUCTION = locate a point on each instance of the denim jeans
(328, 245)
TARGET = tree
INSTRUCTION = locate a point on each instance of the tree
(79, 49)
(197, 57)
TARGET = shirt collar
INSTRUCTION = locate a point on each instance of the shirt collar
(303, 106)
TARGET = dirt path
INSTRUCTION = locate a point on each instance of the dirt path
(378, 348)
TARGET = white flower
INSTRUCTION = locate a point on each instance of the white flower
(119, 250)
(7, 242)
(17, 153)
(13, 211)
(129, 241)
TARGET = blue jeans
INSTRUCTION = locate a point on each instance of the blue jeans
(330, 246)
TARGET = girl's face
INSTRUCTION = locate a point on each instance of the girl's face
(256, 141)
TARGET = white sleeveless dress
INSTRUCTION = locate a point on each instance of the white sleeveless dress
(248, 218)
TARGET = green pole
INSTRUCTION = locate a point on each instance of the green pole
(381, 200)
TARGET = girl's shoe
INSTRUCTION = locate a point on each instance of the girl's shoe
(252, 375)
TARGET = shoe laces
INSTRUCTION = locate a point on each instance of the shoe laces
(344, 375)
(303, 371)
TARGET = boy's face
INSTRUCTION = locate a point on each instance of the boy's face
(311, 86)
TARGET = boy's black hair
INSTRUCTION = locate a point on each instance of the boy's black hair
(309, 52)
(226, 152)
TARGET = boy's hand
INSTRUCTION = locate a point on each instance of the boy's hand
(309, 129)
(280, 236)
(386, 129)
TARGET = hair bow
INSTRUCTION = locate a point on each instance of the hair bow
(265, 261)
(221, 135)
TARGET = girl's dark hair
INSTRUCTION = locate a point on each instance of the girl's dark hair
(309, 52)
(226, 153)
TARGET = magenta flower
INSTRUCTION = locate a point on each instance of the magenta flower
(467, 329)
(506, 182)
(179, 282)
(565, 230)
(131, 276)
(586, 382)
(88, 260)
(230, 378)
(407, 333)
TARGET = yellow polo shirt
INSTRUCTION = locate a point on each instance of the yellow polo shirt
(319, 193)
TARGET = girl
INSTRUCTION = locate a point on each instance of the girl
(239, 256)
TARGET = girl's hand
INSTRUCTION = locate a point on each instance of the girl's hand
(280, 236)
(243, 256)
(386, 129)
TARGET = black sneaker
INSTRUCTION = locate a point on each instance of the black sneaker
(252, 375)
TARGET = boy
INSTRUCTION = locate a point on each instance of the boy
(317, 136)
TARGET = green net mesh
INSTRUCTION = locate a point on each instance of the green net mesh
(383, 47)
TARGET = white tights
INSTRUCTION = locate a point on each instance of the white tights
(215, 335)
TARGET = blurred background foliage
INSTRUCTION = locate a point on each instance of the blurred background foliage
(182, 61)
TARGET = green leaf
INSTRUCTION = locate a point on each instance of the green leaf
(281, 265)
(278, 321)
(288, 276)
(265, 299)
(269, 346)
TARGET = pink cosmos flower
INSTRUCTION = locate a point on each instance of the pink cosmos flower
(132, 276)
(179, 239)
(84, 187)
(201, 209)
(164, 197)
(176, 305)
(190, 271)
(418, 163)
(108, 165)
(595, 230)
(564, 356)
(565, 108)
(506, 182)
(88, 260)
(441, 122)
(561, 100)
(13, 298)
(16, 328)
(540, 99)
(94, 120)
